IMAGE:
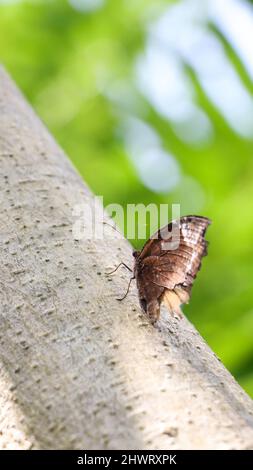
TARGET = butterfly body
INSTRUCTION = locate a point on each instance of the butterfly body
(165, 273)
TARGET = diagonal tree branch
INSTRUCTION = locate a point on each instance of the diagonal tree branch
(79, 369)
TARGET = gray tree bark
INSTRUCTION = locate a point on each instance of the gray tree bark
(80, 370)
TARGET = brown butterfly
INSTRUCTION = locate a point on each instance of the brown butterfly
(167, 275)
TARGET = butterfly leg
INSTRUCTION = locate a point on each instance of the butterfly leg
(120, 264)
(128, 287)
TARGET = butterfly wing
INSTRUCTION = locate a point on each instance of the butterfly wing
(172, 272)
(191, 228)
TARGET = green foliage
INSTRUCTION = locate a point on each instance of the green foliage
(77, 70)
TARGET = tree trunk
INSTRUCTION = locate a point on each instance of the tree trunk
(78, 368)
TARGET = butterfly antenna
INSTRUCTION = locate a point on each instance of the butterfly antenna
(128, 287)
(114, 228)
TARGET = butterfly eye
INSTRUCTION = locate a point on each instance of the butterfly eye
(143, 303)
(136, 254)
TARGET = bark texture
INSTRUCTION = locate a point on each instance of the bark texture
(78, 369)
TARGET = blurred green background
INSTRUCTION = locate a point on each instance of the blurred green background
(153, 102)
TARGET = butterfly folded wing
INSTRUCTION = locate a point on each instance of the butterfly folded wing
(167, 275)
(191, 228)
